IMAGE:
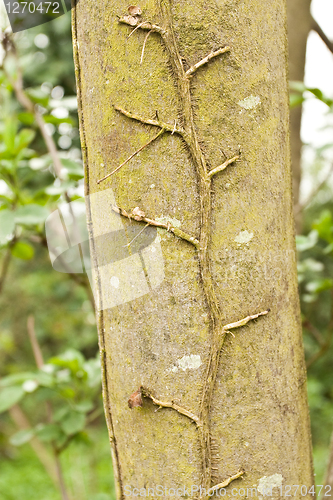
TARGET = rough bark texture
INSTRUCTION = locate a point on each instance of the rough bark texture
(299, 25)
(243, 408)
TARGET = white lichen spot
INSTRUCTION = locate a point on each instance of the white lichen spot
(250, 102)
(243, 237)
(114, 282)
(267, 483)
(152, 186)
(192, 362)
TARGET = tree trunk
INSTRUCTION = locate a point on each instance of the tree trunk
(299, 25)
(212, 189)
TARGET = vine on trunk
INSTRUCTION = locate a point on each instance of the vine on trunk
(188, 134)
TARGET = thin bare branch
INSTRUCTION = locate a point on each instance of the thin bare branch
(145, 25)
(147, 121)
(161, 132)
(144, 46)
(142, 218)
(222, 167)
(313, 193)
(174, 406)
(227, 481)
(205, 60)
(22, 422)
(316, 334)
(26, 103)
(38, 355)
(244, 321)
(5, 267)
(315, 26)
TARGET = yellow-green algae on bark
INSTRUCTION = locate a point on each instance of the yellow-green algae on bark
(259, 417)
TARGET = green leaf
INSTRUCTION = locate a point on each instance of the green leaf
(7, 225)
(320, 96)
(319, 285)
(295, 100)
(84, 406)
(24, 138)
(73, 422)
(324, 226)
(60, 414)
(44, 379)
(10, 396)
(306, 242)
(9, 133)
(297, 86)
(328, 249)
(38, 96)
(57, 190)
(93, 369)
(22, 437)
(57, 121)
(26, 118)
(16, 378)
(71, 359)
(49, 432)
(40, 163)
(30, 215)
(23, 251)
(74, 169)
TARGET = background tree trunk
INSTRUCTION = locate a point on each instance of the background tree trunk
(247, 411)
(329, 473)
(299, 26)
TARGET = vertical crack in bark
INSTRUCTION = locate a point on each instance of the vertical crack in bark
(199, 161)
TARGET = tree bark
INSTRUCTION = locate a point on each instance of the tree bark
(217, 178)
(299, 26)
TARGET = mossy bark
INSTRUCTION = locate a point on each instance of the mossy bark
(244, 263)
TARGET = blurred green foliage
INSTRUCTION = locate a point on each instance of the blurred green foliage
(315, 274)
(60, 402)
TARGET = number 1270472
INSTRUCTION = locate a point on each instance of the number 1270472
(31, 7)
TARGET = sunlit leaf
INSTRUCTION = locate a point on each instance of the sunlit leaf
(10, 396)
(22, 437)
(306, 242)
(31, 214)
(23, 250)
(7, 225)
